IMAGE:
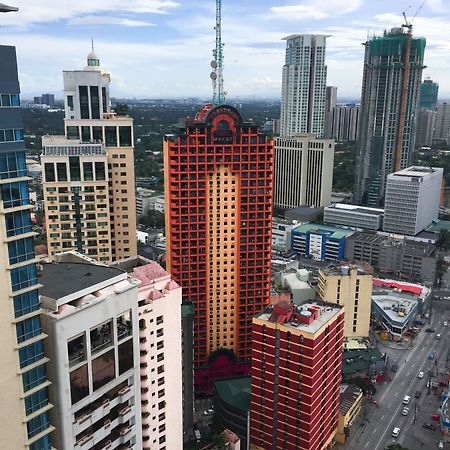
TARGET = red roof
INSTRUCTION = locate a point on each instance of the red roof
(394, 284)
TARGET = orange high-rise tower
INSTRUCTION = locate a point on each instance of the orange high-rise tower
(218, 194)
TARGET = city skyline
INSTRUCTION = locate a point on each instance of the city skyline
(147, 44)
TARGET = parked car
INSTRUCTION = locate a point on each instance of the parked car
(438, 336)
(420, 374)
(406, 399)
(441, 444)
(396, 431)
(394, 367)
(429, 426)
(405, 411)
(445, 324)
(417, 394)
(429, 330)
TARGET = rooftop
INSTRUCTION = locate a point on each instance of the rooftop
(309, 317)
(61, 280)
(415, 172)
(329, 230)
(235, 392)
(359, 360)
(344, 269)
(396, 307)
(356, 209)
(349, 394)
(438, 226)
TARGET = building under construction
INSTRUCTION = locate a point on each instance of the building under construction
(392, 74)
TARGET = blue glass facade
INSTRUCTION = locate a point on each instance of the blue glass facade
(15, 214)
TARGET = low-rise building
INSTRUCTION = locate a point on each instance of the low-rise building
(320, 242)
(232, 405)
(349, 410)
(148, 200)
(354, 216)
(368, 364)
(352, 288)
(281, 234)
(393, 254)
(90, 314)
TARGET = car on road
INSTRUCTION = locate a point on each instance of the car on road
(405, 411)
(438, 336)
(431, 356)
(429, 426)
(396, 431)
(429, 330)
(420, 374)
(394, 367)
(445, 324)
(406, 399)
(441, 444)
(418, 394)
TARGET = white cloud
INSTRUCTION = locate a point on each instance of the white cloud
(316, 9)
(38, 11)
(106, 20)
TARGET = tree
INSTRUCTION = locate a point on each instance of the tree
(154, 219)
(121, 109)
(444, 239)
(441, 270)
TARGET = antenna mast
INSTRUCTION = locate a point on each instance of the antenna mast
(217, 63)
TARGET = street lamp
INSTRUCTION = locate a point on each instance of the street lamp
(6, 8)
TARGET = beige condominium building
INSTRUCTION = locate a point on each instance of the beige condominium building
(350, 287)
(88, 180)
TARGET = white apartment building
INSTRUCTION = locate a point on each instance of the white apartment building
(303, 171)
(90, 315)
(412, 199)
(281, 234)
(354, 216)
(160, 356)
(148, 200)
(303, 88)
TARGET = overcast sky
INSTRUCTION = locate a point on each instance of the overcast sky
(162, 48)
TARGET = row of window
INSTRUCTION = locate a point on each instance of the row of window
(8, 100)
(112, 136)
(11, 135)
(12, 165)
(73, 169)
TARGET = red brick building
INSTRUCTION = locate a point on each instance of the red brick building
(218, 203)
(296, 376)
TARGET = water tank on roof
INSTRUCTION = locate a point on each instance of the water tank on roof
(344, 270)
(306, 313)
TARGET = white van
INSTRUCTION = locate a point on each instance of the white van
(396, 431)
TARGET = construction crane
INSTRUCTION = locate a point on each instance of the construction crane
(217, 63)
(404, 91)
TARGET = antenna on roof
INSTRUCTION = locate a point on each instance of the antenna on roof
(92, 44)
(217, 63)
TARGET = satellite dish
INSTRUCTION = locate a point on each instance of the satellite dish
(213, 75)
(213, 64)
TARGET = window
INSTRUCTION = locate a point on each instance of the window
(11, 135)
(18, 223)
(25, 303)
(125, 356)
(104, 100)
(36, 401)
(76, 349)
(30, 354)
(37, 425)
(97, 134)
(88, 171)
(79, 383)
(49, 169)
(124, 325)
(111, 136)
(84, 102)
(21, 250)
(125, 136)
(12, 165)
(103, 369)
(100, 172)
(8, 100)
(70, 102)
(28, 328)
(33, 378)
(15, 194)
(72, 132)
(23, 277)
(101, 337)
(41, 444)
(74, 168)
(95, 102)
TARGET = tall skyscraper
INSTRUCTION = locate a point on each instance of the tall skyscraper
(412, 199)
(330, 104)
(296, 376)
(303, 171)
(426, 120)
(392, 73)
(442, 124)
(24, 410)
(304, 83)
(89, 191)
(345, 123)
(350, 287)
(218, 194)
(428, 94)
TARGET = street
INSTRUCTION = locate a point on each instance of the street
(375, 430)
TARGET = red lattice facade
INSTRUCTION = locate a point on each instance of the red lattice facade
(218, 194)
